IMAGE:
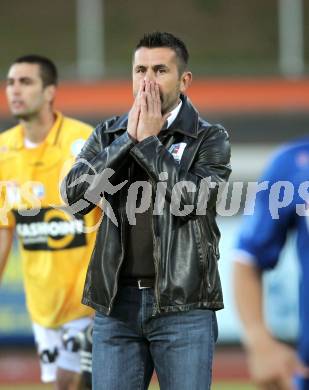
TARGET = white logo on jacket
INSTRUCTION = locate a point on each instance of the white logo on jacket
(177, 150)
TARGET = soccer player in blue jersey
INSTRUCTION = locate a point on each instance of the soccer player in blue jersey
(273, 364)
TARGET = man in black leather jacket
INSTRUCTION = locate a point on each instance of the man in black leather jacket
(153, 276)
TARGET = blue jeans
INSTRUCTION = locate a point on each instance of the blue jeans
(130, 344)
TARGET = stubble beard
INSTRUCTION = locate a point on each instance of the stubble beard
(24, 116)
(27, 113)
(168, 106)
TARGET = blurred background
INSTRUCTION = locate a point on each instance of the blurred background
(250, 64)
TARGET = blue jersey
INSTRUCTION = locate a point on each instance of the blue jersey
(264, 233)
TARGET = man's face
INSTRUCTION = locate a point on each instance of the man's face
(25, 92)
(159, 65)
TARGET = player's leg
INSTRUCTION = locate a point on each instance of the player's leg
(85, 341)
(68, 362)
(182, 346)
(48, 342)
(68, 380)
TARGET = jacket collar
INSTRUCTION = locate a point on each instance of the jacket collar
(186, 121)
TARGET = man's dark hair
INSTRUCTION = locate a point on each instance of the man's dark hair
(165, 39)
(48, 70)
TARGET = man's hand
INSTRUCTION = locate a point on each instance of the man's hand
(135, 113)
(150, 119)
(273, 364)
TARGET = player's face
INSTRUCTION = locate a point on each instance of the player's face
(160, 65)
(25, 92)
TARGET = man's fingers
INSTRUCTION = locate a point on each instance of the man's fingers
(154, 99)
(149, 97)
(141, 87)
(137, 100)
(135, 111)
(133, 116)
(152, 96)
(136, 104)
(150, 120)
(143, 101)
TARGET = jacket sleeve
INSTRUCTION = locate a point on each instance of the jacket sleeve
(83, 187)
(211, 163)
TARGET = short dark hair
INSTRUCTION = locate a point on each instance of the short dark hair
(48, 70)
(165, 39)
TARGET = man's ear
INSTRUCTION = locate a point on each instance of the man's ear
(50, 93)
(185, 81)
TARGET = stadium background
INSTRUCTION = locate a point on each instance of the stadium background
(239, 81)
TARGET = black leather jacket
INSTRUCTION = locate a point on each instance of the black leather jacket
(185, 246)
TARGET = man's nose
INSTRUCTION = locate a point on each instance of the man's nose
(149, 76)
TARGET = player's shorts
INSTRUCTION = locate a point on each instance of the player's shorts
(59, 348)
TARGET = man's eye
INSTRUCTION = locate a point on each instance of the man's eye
(162, 70)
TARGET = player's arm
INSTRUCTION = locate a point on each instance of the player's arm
(248, 295)
(6, 239)
(268, 360)
(272, 364)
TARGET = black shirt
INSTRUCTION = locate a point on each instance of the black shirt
(138, 261)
